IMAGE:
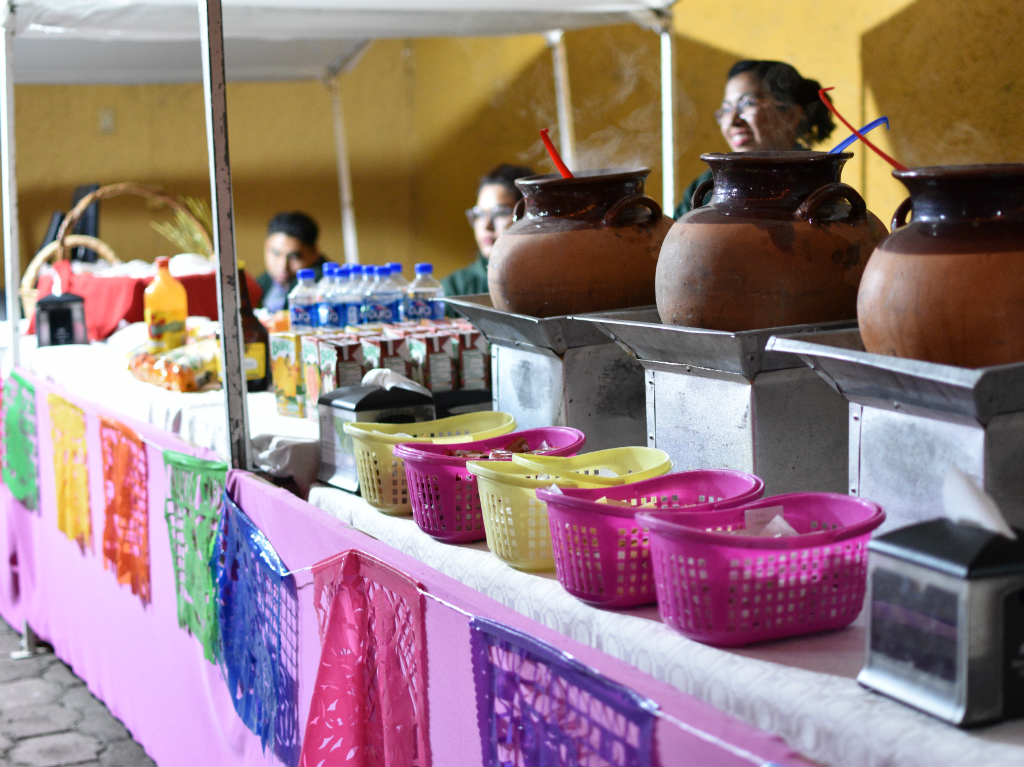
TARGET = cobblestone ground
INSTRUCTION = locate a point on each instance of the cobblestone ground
(49, 719)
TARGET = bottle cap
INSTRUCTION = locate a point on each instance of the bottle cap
(382, 271)
(395, 267)
(307, 274)
(162, 262)
(241, 263)
(331, 268)
(345, 270)
(424, 268)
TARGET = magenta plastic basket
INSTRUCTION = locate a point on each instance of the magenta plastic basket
(443, 495)
(731, 590)
(601, 552)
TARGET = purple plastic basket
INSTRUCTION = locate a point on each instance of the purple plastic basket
(732, 590)
(601, 552)
(443, 495)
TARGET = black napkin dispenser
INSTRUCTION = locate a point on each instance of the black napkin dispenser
(371, 404)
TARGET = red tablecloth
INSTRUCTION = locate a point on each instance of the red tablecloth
(108, 300)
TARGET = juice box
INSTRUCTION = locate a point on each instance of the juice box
(431, 361)
(286, 369)
(390, 353)
(474, 360)
(309, 347)
(341, 362)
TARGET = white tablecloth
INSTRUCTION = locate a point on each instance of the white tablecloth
(282, 446)
(803, 689)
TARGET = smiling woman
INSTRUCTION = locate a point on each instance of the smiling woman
(767, 105)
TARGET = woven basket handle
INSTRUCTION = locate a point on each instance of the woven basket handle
(114, 190)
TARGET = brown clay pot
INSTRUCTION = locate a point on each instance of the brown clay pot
(948, 287)
(782, 242)
(580, 244)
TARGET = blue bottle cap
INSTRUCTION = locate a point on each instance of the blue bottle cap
(382, 271)
(307, 274)
(395, 267)
(424, 268)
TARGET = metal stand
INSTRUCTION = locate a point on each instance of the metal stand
(29, 645)
(557, 371)
(910, 421)
(718, 399)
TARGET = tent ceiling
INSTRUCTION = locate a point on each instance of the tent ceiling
(157, 40)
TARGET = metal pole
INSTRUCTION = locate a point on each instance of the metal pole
(211, 27)
(12, 258)
(668, 134)
(563, 98)
(348, 218)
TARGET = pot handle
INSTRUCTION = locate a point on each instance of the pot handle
(828, 193)
(697, 198)
(899, 218)
(517, 210)
(628, 202)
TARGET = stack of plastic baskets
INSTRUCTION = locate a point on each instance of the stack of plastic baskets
(727, 589)
(443, 494)
(602, 555)
(382, 474)
(516, 521)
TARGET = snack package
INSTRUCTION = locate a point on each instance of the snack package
(286, 368)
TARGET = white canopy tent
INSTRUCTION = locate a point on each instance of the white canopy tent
(147, 41)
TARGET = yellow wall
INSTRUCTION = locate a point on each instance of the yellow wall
(424, 118)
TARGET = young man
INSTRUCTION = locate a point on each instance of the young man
(291, 245)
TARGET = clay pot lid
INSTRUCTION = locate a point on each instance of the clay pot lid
(775, 156)
(975, 170)
(586, 176)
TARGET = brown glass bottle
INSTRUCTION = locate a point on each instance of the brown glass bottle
(256, 340)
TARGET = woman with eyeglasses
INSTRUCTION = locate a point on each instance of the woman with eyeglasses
(767, 105)
(496, 196)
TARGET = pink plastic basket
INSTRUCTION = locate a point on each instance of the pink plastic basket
(443, 495)
(601, 552)
(731, 590)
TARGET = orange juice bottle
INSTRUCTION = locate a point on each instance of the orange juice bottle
(165, 307)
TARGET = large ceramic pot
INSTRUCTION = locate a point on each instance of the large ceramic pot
(580, 244)
(949, 286)
(782, 242)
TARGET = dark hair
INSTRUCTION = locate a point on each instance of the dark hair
(506, 176)
(790, 87)
(295, 224)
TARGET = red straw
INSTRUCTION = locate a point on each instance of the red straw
(555, 158)
(831, 108)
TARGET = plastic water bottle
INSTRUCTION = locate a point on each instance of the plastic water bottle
(302, 303)
(383, 300)
(397, 277)
(325, 292)
(348, 297)
(421, 297)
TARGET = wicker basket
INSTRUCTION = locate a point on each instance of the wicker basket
(58, 249)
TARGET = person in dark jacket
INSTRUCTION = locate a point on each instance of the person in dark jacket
(496, 196)
(767, 105)
(291, 245)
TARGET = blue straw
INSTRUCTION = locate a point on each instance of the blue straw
(853, 136)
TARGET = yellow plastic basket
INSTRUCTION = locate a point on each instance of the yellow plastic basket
(516, 521)
(382, 474)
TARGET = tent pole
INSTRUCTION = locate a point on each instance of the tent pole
(668, 134)
(12, 259)
(211, 27)
(348, 219)
(563, 98)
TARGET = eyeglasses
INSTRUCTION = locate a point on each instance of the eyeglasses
(490, 214)
(746, 104)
